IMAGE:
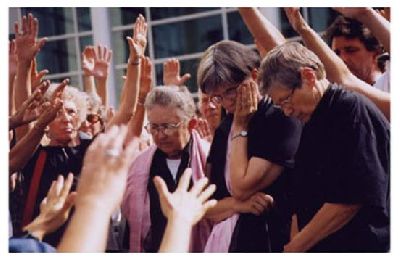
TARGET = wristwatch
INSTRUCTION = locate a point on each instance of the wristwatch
(242, 133)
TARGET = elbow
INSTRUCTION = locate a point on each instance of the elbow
(240, 194)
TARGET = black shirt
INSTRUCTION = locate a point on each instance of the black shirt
(160, 168)
(343, 158)
(274, 137)
(59, 161)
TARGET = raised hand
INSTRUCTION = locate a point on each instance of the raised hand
(36, 77)
(246, 103)
(137, 44)
(183, 205)
(172, 71)
(351, 12)
(54, 209)
(105, 169)
(26, 42)
(295, 18)
(12, 59)
(96, 61)
(256, 204)
(30, 109)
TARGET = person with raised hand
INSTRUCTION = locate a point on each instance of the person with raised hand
(130, 89)
(37, 77)
(336, 69)
(12, 72)
(172, 71)
(54, 211)
(100, 190)
(26, 46)
(183, 209)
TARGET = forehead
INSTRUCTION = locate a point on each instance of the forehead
(339, 42)
(163, 114)
(69, 105)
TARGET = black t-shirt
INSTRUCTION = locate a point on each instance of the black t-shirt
(343, 158)
(160, 168)
(274, 137)
(59, 161)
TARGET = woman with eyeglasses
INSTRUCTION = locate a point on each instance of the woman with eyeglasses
(170, 111)
(250, 152)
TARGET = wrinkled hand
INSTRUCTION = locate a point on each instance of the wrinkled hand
(183, 205)
(138, 44)
(146, 80)
(30, 109)
(171, 73)
(27, 45)
(96, 61)
(12, 59)
(295, 18)
(103, 176)
(246, 103)
(49, 112)
(36, 77)
(55, 207)
(256, 204)
(203, 129)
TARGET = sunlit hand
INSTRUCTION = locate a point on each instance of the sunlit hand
(137, 44)
(96, 61)
(26, 42)
(246, 103)
(295, 18)
(183, 205)
(36, 77)
(172, 71)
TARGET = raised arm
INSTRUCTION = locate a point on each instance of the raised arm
(172, 71)
(100, 190)
(12, 71)
(379, 26)
(87, 59)
(130, 90)
(27, 46)
(183, 209)
(264, 32)
(336, 69)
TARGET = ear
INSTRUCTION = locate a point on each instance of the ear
(308, 77)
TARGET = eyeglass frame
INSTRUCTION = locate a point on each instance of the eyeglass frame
(164, 127)
(285, 101)
(217, 99)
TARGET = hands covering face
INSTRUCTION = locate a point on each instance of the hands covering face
(246, 103)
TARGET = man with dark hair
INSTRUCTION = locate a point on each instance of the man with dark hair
(341, 175)
(357, 47)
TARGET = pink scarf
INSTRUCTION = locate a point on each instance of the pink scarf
(136, 201)
(221, 234)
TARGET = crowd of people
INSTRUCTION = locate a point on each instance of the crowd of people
(287, 150)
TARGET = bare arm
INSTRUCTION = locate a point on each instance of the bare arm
(27, 46)
(336, 69)
(12, 71)
(262, 30)
(329, 219)
(130, 89)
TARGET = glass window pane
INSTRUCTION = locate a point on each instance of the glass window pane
(85, 41)
(187, 66)
(52, 20)
(167, 12)
(58, 56)
(84, 19)
(120, 43)
(125, 15)
(237, 29)
(320, 18)
(186, 37)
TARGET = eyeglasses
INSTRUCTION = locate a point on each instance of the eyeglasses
(166, 128)
(227, 94)
(285, 101)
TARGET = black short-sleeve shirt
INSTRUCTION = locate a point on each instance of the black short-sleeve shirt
(274, 137)
(343, 158)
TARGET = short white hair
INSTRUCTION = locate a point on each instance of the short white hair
(71, 94)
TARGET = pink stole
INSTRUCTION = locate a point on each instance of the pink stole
(136, 201)
(221, 234)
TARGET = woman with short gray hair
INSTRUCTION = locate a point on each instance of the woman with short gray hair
(170, 111)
